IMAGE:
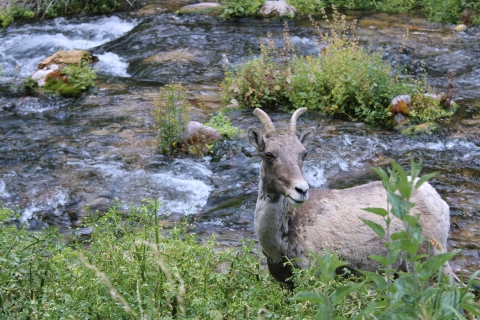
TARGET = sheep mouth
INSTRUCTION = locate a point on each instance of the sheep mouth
(296, 203)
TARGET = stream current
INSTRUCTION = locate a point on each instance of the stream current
(58, 155)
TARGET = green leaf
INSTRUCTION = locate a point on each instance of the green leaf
(398, 205)
(341, 292)
(378, 280)
(382, 259)
(399, 235)
(310, 297)
(378, 229)
(434, 263)
(424, 179)
(380, 211)
(408, 246)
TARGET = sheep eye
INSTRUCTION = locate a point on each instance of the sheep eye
(269, 155)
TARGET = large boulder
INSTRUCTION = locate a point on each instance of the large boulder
(196, 133)
(204, 7)
(278, 8)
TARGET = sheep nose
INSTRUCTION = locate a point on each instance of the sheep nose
(302, 190)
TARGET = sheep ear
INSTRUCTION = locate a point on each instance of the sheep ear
(307, 136)
(255, 138)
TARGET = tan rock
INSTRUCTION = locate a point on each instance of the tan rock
(460, 28)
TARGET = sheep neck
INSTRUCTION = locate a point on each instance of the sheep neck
(272, 215)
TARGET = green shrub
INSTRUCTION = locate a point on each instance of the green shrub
(241, 8)
(221, 123)
(80, 75)
(344, 79)
(171, 113)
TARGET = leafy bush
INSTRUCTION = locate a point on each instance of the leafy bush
(344, 79)
(171, 114)
(80, 75)
(221, 123)
(241, 8)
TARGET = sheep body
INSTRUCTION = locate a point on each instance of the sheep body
(291, 220)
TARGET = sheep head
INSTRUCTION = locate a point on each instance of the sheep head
(283, 156)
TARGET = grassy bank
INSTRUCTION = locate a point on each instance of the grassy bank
(129, 267)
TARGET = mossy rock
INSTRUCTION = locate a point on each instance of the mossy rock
(62, 88)
(424, 128)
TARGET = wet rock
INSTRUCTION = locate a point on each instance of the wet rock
(205, 7)
(35, 224)
(460, 28)
(400, 107)
(233, 104)
(424, 128)
(41, 74)
(100, 204)
(277, 9)
(197, 133)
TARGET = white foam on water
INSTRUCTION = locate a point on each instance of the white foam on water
(112, 64)
(180, 192)
(314, 175)
(46, 199)
(25, 47)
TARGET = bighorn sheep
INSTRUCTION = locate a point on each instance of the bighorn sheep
(289, 226)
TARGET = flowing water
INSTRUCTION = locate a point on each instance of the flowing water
(59, 155)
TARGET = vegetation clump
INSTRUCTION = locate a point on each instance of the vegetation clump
(222, 124)
(29, 9)
(171, 113)
(344, 79)
(70, 80)
(243, 8)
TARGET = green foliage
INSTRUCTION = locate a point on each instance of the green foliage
(80, 75)
(14, 11)
(241, 8)
(307, 7)
(412, 294)
(171, 114)
(131, 268)
(442, 11)
(25, 10)
(221, 123)
(329, 298)
(344, 79)
(29, 83)
(62, 88)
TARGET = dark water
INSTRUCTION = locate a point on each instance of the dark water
(57, 156)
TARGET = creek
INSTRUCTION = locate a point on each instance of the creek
(59, 155)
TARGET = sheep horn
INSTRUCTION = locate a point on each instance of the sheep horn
(293, 122)
(266, 122)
